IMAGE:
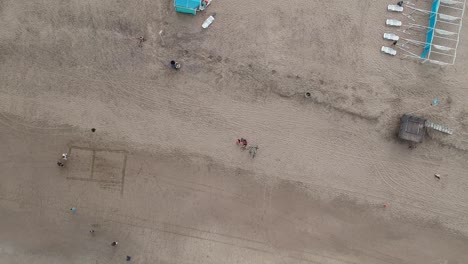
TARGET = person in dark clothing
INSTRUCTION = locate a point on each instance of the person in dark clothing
(141, 40)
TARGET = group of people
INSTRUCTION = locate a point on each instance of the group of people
(174, 64)
(92, 232)
(61, 163)
(242, 142)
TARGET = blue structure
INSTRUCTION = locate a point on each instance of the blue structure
(187, 6)
(430, 31)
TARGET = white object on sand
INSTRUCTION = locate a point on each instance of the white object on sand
(390, 36)
(393, 23)
(395, 8)
(388, 51)
(208, 21)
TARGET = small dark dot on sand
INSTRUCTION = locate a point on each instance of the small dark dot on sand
(93, 130)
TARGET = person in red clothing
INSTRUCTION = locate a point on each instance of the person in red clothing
(242, 142)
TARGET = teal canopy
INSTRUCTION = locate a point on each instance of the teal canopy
(187, 6)
(430, 31)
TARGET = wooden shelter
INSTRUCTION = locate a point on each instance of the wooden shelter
(412, 128)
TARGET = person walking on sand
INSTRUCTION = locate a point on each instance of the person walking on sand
(115, 243)
(141, 39)
(253, 151)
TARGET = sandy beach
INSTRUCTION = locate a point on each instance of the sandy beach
(162, 173)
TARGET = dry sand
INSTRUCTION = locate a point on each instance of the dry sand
(162, 174)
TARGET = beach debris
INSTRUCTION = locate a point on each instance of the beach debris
(60, 164)
(437, 175)
(129, 258)
(308, 94)
(93, 130)
(208, 21)
(435, 102)
(115, 243)
(73, 209)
